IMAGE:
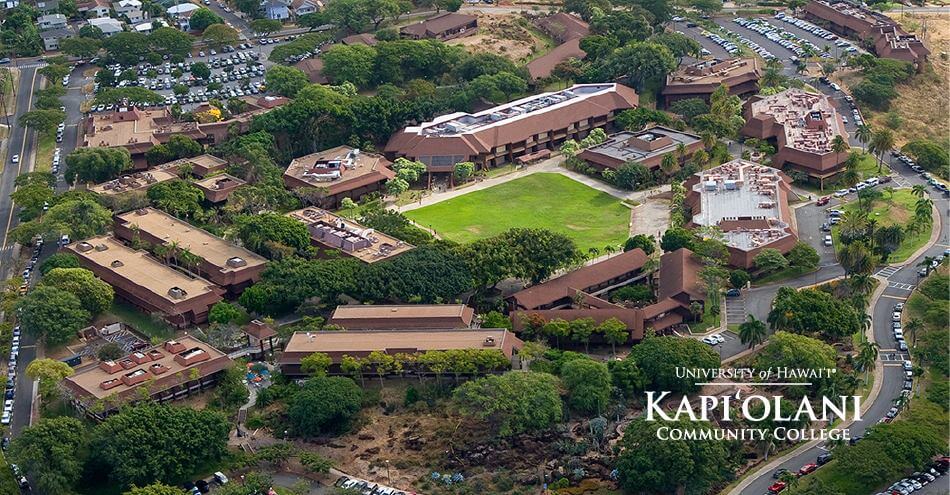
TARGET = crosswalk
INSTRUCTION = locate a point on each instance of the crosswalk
(891, 356)
(887, 271)
(900, 286)
(31, 65)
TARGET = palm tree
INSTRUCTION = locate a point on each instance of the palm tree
(709, 140)
(752, 332)
(838, 145)
(919, 190)
(855, 258)
(680, 152)
(882, 141)
(789, 478)
(863, 134)
(668, 165)
(912, 327)
(923, 208)
(861, 283)
(771, 78)
(593, 252)
(609, 249)
(867, 356)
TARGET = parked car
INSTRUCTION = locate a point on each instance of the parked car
(823, 459)
(828, 241)
(778, 473)
(733, 293)
(908, 384)
(807, 469)
(777, 487)
(823, 200)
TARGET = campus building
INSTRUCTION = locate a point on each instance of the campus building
(678, 289)
(173, 370)
(223, 263)
(360, 344)
(803, 127)
(647, 147)
(749, 203)
(402, 317)
(135, 181)
(504, 133)
(567, 30)
(598, 278)
(343, 172)
(852, 20)
(700, 79)
(203, 165)
(328, 231)
(143, 281)
(445, 26)
(217, 188)
(139, 130)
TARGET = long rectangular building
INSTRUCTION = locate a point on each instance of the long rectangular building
(749, 203)
(224, 263)
(852, 20)
(145, 282)
(402, 316)
(501, 134)
(171, 371)
(593, 279)
(360, 344)
(803, 127)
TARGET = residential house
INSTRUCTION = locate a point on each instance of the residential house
(108, 25)
(276, 10)
(52, 37)
(132, 9)
(94, 9)
(445, 26)
(51, 21)
(304, 7)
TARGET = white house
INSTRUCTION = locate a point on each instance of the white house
(129, 8)
(108, 25)
(181, 13)
(51, 21)
(304, 7)
(47, 6)
(52, 37)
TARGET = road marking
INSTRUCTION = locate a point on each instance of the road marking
(893, 365)
(888, 271)
(29, 104)
(899, 286)
(899, 298)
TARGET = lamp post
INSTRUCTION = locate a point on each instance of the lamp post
(388, 474)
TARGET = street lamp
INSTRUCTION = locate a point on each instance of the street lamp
(388, 474)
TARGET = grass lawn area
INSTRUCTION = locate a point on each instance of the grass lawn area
(543, 200)
(147, 326)
(44, 152)
(709, 322)
(867, 167)
(898, 210)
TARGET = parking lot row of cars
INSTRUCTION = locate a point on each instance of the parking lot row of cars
(784, 38)
(366, 487)
(733, 49)
(931, 180)
(817, 31)
(920, 479)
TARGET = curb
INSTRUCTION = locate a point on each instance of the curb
(866, 405)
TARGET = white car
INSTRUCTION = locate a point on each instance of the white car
(6, 418)
(841, 192)
(896, 316)
(15, 159)
(828, 241)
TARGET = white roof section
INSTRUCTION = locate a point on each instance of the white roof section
(106, 24)
(182, 8)
(129, 3)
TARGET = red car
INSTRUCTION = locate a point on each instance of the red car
(823, 201)
(807, 469)
(778, 487)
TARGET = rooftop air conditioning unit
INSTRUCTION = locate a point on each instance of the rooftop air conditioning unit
(236, 262)
(116, 264)
(177, 292)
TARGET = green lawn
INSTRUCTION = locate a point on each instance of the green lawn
(899, 210)
(543, 200)
(44, 152)
(138, 320)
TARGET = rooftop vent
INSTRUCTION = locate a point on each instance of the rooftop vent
(177, 293)
(489, 342)
(101, 247)
(116, 264)
(84, 247)
(236, 262)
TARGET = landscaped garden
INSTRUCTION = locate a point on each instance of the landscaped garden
(592, 218)
(895, 207)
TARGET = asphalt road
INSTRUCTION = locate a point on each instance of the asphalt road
(900, 284)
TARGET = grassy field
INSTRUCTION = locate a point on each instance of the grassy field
(44, 152)
(551, 201)
(898, 210)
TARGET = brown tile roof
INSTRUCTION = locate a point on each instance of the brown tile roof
(679, 273)
(664, 306)
(562, 26)
(259, 330)
(352, 316)
(361, 343)
(544, 65)
(441, 23)
(591, 100)
(313, 68)
(580, 279)
(88, 381)
(360, 39)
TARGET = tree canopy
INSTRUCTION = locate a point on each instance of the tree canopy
(145, 443)
(49, 452)
(52, 314)
(94, 294)
(96, 164)
(512, 403)
(324, 405)
(659, 358)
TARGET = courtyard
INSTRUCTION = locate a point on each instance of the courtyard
(593, 219)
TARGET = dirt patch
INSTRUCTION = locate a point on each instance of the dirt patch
(923, 103)
(509, 35)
